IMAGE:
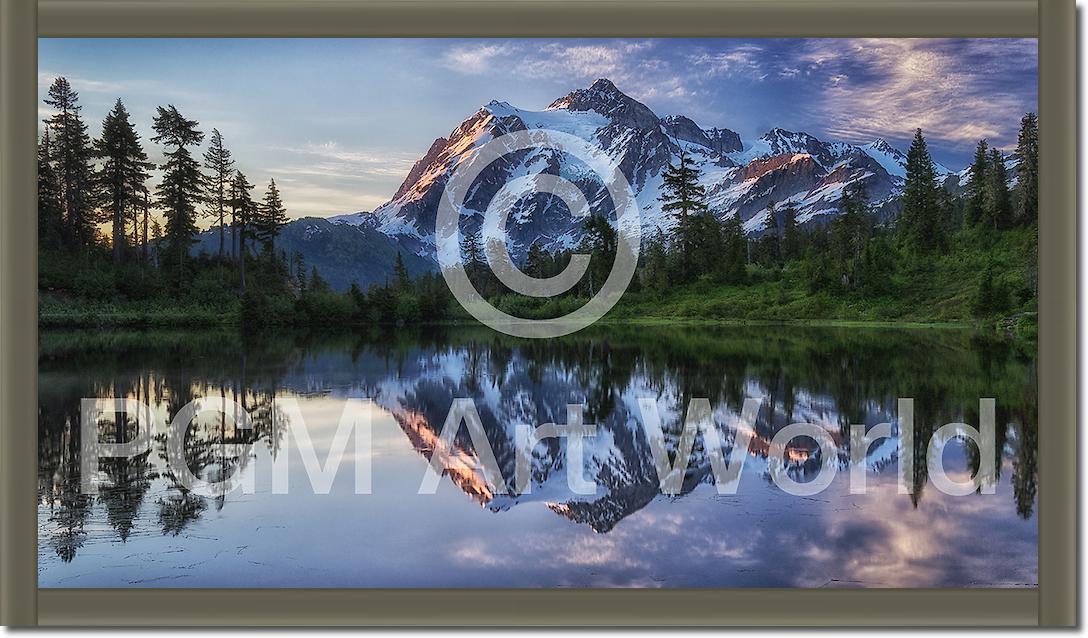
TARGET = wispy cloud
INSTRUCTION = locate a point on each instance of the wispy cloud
(473, 59)
(747, 60)
(330, 158)
(956, 91)
(81, 85)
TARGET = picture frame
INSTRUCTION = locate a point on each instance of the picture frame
(1054, 603)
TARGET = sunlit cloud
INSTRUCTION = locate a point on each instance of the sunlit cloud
(473, 59)
(955, 91)
(346, 126)
(330, 158)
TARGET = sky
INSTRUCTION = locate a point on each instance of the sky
(339, 123)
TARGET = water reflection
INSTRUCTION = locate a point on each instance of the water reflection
(144, 528)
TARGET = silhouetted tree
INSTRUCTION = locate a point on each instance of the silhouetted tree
(1027, 170)
(72, 151)
(180, 191)
(122, 175)
(50, 197)
(217, 159)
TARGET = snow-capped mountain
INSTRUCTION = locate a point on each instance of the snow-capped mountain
(740, 179)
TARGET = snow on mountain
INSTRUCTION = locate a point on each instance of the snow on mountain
(617, 458)
(361, 218)
(747, 180)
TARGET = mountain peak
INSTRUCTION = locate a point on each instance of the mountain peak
(603, 84)
(603, 97)
(880, 144)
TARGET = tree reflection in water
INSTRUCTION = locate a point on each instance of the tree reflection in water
(830, 376)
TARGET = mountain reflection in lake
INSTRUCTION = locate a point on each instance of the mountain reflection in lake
(142, 529)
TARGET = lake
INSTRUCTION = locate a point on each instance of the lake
(144, 529)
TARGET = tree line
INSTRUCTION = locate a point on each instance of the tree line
(856, 254)
(85, 182)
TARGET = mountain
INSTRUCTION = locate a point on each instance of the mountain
(740, 179)
(343, 252)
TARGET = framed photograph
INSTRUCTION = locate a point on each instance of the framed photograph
(538, 313)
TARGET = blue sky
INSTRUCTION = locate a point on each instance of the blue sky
(338, 123)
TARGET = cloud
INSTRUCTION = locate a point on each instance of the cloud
(473, 59)
(333, 160)
(745, 60)
(318, 178)
(954, 90)
(46, 78)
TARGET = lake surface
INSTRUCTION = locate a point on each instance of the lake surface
(143, 529)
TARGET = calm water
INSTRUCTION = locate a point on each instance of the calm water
(142, 529)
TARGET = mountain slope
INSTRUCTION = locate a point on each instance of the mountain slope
(342, 252)
(745, 180)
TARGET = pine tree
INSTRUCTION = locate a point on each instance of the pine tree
(600, 239)
(300, 271)
(271, 217)
(146, 210)
(72, 153)
(850, 235)
(317, 283)
(1027, 170)
(654, 274)
(400, 273)
(472, 251)
(536, 262)
(50, 197)
(217, 159)
(156, 237)
(684, 195)
(180, 191)
(791, 234)
(978, 179)
(243, 209)
(706, 246)
(734, 250)
(921, 217)
(122, 175)
(998, 205)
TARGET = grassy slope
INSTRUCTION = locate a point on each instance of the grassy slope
(936, 291)
(939, 290)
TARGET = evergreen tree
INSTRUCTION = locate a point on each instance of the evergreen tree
(50, 197)
(271, 217)
(600, 241)
(122, 175)
(72, 153)
(359, 297)
(472, 251)
(300, 271)
(706, 247)
(921, 222)
(654, 273)
(685, 196)
(145, 209)
(850, 235)
(978, 179)
(243, 210)
(536, 262)
(317, 283)
(998, 205)
(180, 191)
(734, 250)
(1027, 170)
(400, 273)
(217, 159)
(791, 234)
